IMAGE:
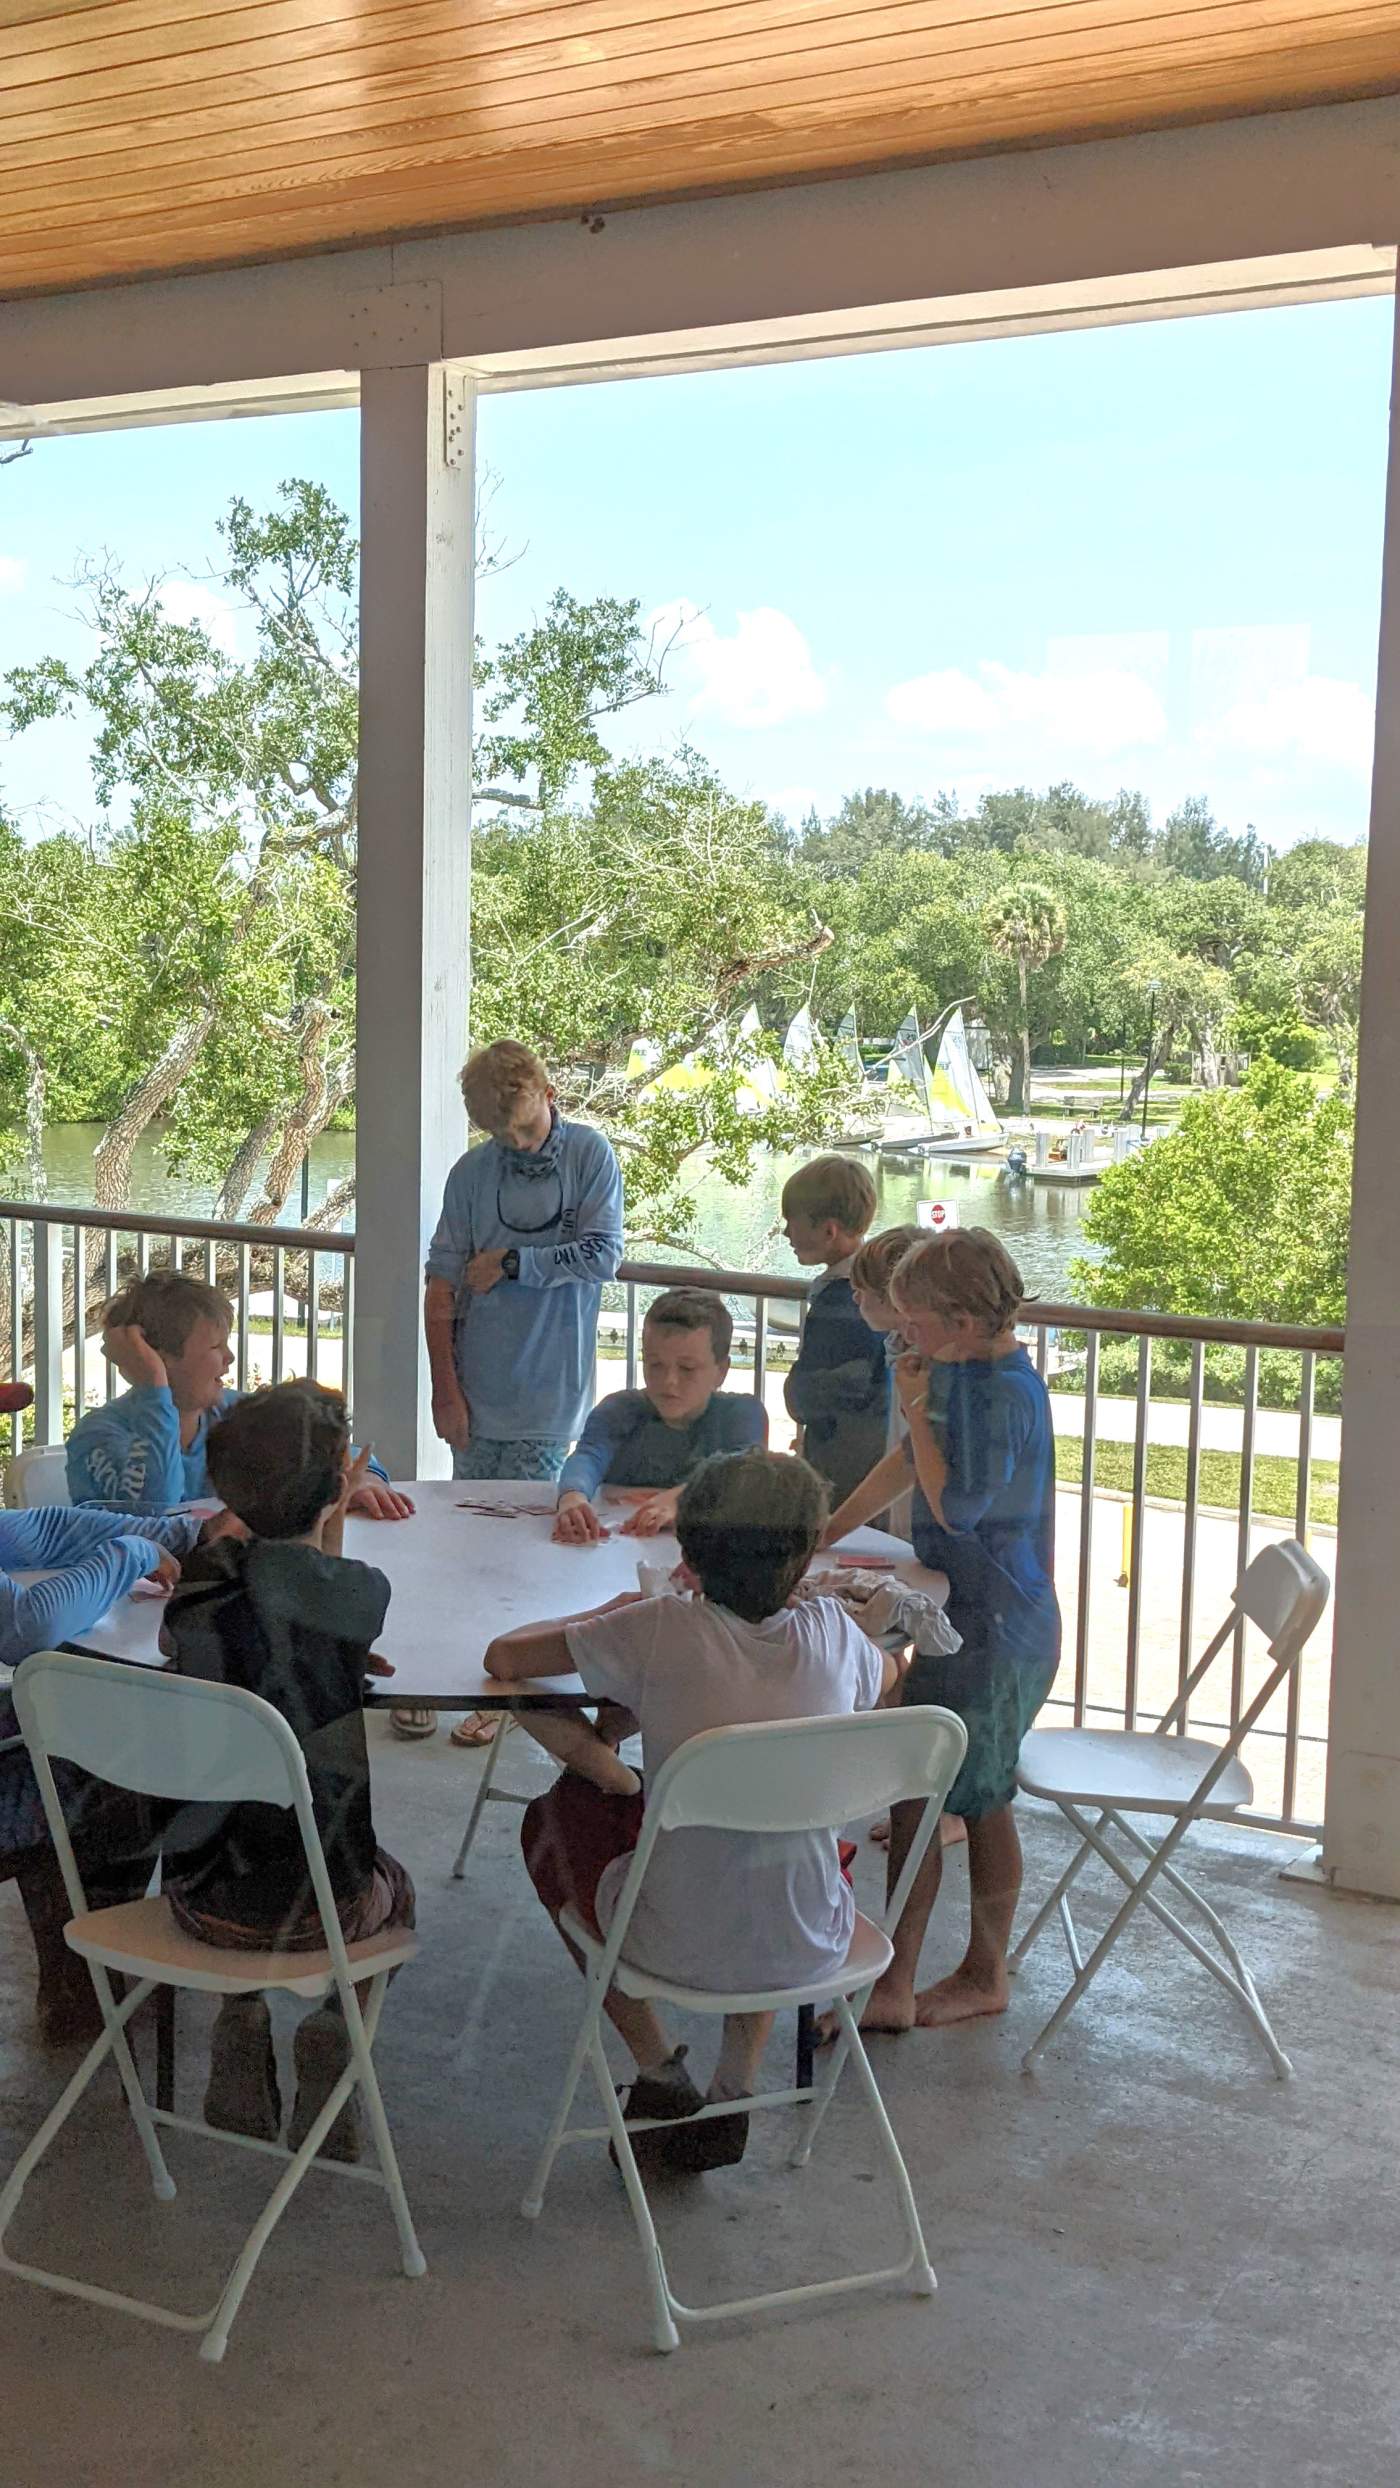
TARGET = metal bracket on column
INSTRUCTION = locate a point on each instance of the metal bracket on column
(456, 418)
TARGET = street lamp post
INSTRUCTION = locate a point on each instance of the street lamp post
(1151, 1038)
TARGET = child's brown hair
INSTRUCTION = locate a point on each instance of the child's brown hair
(880, 1256)
(967, 1271)
(166, 1305)
(694, 1308)
(749, 1523)
(833, 1187)
(278, 1457)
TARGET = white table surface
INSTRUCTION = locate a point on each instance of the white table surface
(460, 1578)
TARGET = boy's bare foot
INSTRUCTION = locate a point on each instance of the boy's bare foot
(889, 2012)
(960, 1998)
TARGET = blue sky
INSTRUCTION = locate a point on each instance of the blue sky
(1143, 556)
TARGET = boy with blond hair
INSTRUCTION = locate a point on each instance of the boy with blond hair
(839, 1387)
(983, 1454)
(531, 1227)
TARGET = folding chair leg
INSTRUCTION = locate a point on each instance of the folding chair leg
(358, 2073)
(1139, 1894)
(664, 2331)
(533, 2202)
(1240, 1984)
(1058, 1899)
(801, 2151)
(488, 1773)
(921, 2273)
(116, 2018)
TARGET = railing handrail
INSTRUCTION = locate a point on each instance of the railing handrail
(1112, 1320)
(208, 1230)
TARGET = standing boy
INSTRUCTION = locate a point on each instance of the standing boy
(652, 1440)
(983, 1452)
(531, 1227)
(839, 1388)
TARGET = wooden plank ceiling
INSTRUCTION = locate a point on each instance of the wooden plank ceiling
(142, 135)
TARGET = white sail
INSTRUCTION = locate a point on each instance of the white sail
(958, 1092)
(910, 1063)
(761, 1077)
(848, 1042)
(801, 1043)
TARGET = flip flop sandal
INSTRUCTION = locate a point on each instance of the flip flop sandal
(413, 1720)
(479, 1728)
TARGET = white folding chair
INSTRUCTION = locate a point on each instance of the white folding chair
(1115, 1772)
(170, 1736)
(38, 1476)
(781, 1776)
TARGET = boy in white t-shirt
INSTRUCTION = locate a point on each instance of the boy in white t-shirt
(717, 1909)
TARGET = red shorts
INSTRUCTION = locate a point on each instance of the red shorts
(572, 1834)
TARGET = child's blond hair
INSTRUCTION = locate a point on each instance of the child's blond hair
(496, 1077)
(836, 1188)
(967, 1271)
(166, 1304)
(880, 1256)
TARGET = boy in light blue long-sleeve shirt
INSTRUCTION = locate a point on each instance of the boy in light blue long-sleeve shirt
(653, 1440)
(531, 1227)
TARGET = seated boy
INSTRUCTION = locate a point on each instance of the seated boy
(147, 1450)
(983, 1454)
(839, 1387)
(652, 1440)
(718, 1909)
(92, 1559)
(280, 1611)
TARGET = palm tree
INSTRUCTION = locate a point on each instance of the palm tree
(1024, 922)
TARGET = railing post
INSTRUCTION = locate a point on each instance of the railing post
(48, 1331)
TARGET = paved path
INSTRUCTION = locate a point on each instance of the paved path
(1275, 1429)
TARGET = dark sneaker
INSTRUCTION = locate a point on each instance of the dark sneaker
(322, 2052)
(718, 2142)
(242, 2095)
(668, 2092)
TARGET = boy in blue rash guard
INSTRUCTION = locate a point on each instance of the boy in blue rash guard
(653, 1440)
(531, 1227)
(983, 1451)
(92, 1559)
(146, 1450)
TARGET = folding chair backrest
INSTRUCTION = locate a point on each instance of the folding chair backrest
(1284, 1592)
(807, 1774)
(38, 1476)
(162, 1736)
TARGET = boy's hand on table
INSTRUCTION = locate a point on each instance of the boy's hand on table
(654, 1514)
(138, 1363)
(373, 1500)
(576, 1523)
(159, 1582)
(377, 1666)
(452, 1422)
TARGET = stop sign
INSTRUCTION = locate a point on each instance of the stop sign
(938, 1215)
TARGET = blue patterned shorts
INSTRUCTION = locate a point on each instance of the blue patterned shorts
(996, 1698)
(540, 1462)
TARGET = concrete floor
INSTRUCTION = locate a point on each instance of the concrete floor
(1157, 2265)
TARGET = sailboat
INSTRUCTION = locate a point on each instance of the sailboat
(802, 1044)
(959, 1119)
(908, 1118)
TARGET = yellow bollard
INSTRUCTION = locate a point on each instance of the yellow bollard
(1125, 1576)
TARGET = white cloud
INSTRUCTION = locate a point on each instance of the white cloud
(14, 573)
(760, 674)
(189, 600)
(1318, 718)
(1106, 708)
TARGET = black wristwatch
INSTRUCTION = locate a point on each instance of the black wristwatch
(510, 1263)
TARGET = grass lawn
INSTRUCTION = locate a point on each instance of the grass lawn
(1275, 1479)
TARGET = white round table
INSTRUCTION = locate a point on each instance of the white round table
(461, 1577)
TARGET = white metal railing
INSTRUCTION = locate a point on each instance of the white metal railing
(1140, 1573)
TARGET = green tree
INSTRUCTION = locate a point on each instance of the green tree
(1242, 1212)
(1024, 923)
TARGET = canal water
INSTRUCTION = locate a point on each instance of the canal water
(1041, 1224)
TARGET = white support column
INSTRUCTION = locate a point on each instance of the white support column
(1362, 1842)
(416, 525)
